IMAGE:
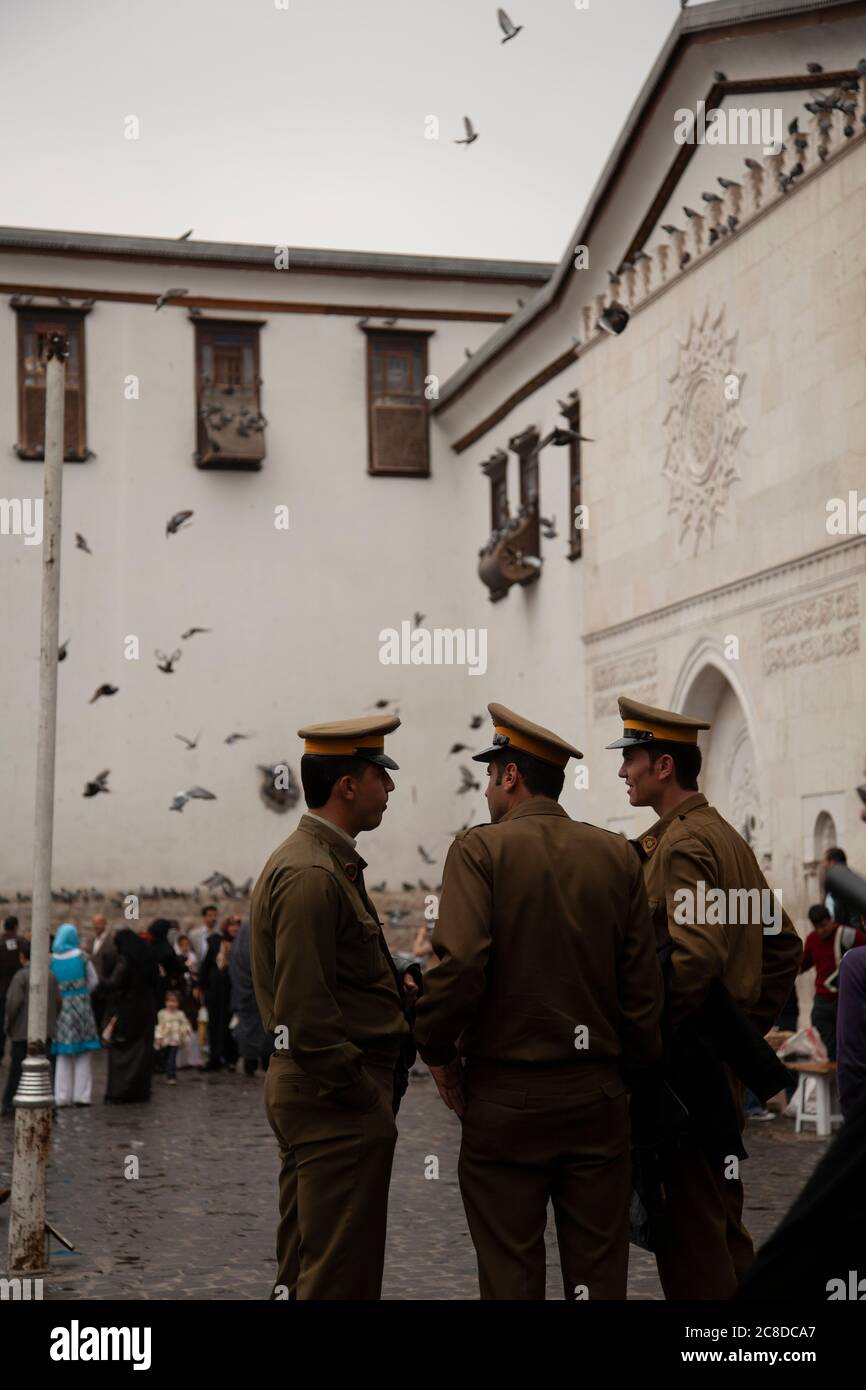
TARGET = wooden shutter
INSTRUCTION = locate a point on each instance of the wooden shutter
(230, 426)
(575, 533)
(397, 407)
(34, 330)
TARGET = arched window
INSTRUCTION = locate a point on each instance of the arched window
(824, 834)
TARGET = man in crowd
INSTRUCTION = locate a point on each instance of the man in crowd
(546, 986)
(17, 1008)
(688, 853)
(103, 956)
(8, 966)
(327, 988)
(825, 946)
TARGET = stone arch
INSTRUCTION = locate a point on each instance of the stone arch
(732, 777)
(823, 835)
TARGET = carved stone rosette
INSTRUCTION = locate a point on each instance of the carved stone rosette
(704, 427)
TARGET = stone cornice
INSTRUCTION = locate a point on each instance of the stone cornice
(805, 574)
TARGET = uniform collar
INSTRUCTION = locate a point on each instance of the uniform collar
(650, 839)
(344, 834)
(340, 845)
(535, 806)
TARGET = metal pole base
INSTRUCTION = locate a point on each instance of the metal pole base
(35, 1086)
(34, 1100)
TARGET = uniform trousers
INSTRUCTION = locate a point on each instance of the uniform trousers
(539, 1134)
(335, 1170)
(707, 1249)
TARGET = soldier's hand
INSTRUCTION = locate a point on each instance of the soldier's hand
(449, 1084)
(410, 986)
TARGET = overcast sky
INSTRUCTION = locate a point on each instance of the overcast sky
(305, 126)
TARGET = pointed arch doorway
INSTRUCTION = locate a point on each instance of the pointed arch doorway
(730, 777)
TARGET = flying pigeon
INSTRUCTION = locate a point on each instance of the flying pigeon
(193, 794)
(175, 522)
(99, 784)
(471, 134)
(61, 650)
(468, 782)
(559, 436)
(428, 859)
(509, 30)
(476, 721)
(103, 690)
(192, 632)
(458, 748)
(81, 543)
(184, 236)
(166, 663)
(190, 742)
(233, 738)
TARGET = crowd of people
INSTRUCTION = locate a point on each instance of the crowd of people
(158, 1000)
(162, 1001)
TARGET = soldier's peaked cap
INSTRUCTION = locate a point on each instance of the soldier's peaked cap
(642, 724)
(513, 731)
(352, 738)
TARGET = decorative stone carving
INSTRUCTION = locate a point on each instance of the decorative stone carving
(745, 798)
(637, 674)
(813, 630)
(704, 428)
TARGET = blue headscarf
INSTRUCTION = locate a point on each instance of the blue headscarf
(70, 970)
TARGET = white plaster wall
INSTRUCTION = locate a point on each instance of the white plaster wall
(295, 616)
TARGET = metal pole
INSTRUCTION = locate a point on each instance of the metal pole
(34, 1098)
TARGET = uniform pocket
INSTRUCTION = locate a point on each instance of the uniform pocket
(361, 959)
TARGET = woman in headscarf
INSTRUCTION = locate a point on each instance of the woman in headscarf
(76, 1036)
(170, 969)
(132, 989)
(169, 964)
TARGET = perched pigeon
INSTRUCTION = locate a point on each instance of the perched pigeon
(168, 294)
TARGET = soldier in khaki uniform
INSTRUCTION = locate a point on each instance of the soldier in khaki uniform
(323, 972)
(688, 853)
(545, 994)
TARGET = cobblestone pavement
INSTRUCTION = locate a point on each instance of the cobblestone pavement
(199, 1220)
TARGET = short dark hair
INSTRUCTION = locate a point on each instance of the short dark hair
(11, 924)
(540, 778)
(836, 855)
(687, 761)
(818, 914)
(319, 774)
(211, 907)
(24, 949)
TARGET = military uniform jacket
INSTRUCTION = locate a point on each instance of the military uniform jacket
(694, 845)
(543, 929)
(320, 963)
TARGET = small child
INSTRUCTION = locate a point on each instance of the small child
(172, 1032)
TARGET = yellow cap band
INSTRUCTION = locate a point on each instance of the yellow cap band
(662, 731)
(545, 751)
(337, 746)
